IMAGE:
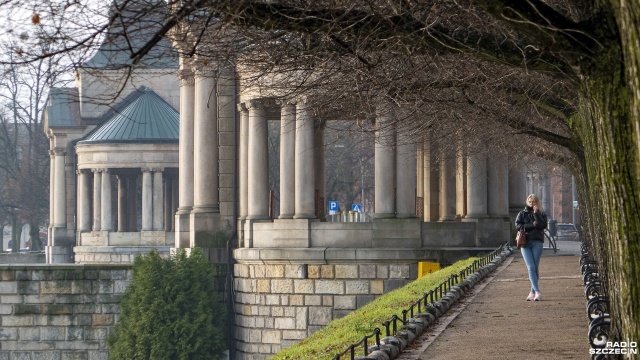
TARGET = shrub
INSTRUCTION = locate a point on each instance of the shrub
(171, 310)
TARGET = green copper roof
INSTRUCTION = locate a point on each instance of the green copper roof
(146, 119)
(63, 108)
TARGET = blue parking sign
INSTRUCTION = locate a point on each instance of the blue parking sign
(333, 206)
(356, 207)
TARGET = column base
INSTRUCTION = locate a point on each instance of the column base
(59, 254)
(291, 233)
(304, 216)
(207, 230)
(398, 233)
(491, 232)
(182, 233)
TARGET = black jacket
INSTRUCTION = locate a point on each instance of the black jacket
(526, 219)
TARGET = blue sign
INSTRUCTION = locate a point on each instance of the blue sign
(356, 207)
(333, 206)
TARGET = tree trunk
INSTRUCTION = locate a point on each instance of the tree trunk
(16, 230)
(609, 130)
(34, 236)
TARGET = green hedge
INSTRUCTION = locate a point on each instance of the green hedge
(173, 309)
(340, 333)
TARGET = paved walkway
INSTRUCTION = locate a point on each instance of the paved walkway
(495, 322)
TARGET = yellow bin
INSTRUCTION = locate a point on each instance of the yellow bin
(427, 267)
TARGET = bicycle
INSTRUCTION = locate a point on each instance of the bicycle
(551, 240)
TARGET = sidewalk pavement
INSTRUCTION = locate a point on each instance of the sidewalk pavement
(494, 321)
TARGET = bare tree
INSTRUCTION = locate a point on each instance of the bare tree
(559, 76)
(24, 164)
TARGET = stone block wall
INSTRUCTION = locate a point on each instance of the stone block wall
(278, 305)
(59, 312)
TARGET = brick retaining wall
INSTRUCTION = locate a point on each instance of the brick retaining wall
(60, 312)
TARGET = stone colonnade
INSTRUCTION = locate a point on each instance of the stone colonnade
(467, 184)
(301, 164)
(95, 200)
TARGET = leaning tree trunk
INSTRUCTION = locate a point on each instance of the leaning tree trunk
(610, 132)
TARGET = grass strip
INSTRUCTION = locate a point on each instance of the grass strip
(340, 333)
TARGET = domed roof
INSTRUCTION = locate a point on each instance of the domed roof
(146, 118)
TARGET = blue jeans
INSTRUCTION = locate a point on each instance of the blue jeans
(531, 253)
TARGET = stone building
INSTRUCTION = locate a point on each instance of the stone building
(114, 155)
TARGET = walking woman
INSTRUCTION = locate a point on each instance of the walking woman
(533, 220)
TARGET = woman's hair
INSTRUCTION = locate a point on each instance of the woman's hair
(536, 200)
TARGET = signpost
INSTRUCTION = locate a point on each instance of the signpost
(333, 207)
(356, 207)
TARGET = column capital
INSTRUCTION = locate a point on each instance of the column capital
(146, 169)
(201, 68)
(98, 170)
(186, 77)
(157, 169)
(254, 104)
(58, 152)
(286, 102)
(242, 107)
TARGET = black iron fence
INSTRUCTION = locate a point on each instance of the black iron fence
(597, 302)
(429, 307)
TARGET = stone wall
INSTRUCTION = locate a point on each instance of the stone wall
(59, 312)
(278, 305)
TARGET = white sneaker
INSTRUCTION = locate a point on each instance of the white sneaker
(537, 297)
(531, 296)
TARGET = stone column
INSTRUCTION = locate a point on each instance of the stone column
(60, 189)
(420, 170)
(84, 203)
(545, 192)
(205, 144)
(304, 172)
(122, 203)
(477, 186)
(52, 195)
(287, 160)
(167, 204)
(447, 187)
(243, 162)
(158, 200)
(132, 203)
(431, 182)
(147, 200)
(185, 169)
(517, 188)
(461, 181)
(384, 164)
(258, 163)
(319, 163)
(498, 189)
(106, 201)
(97, 198)
(405, 180)
(174, 199)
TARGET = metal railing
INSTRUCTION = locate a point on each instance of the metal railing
(425, 302)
